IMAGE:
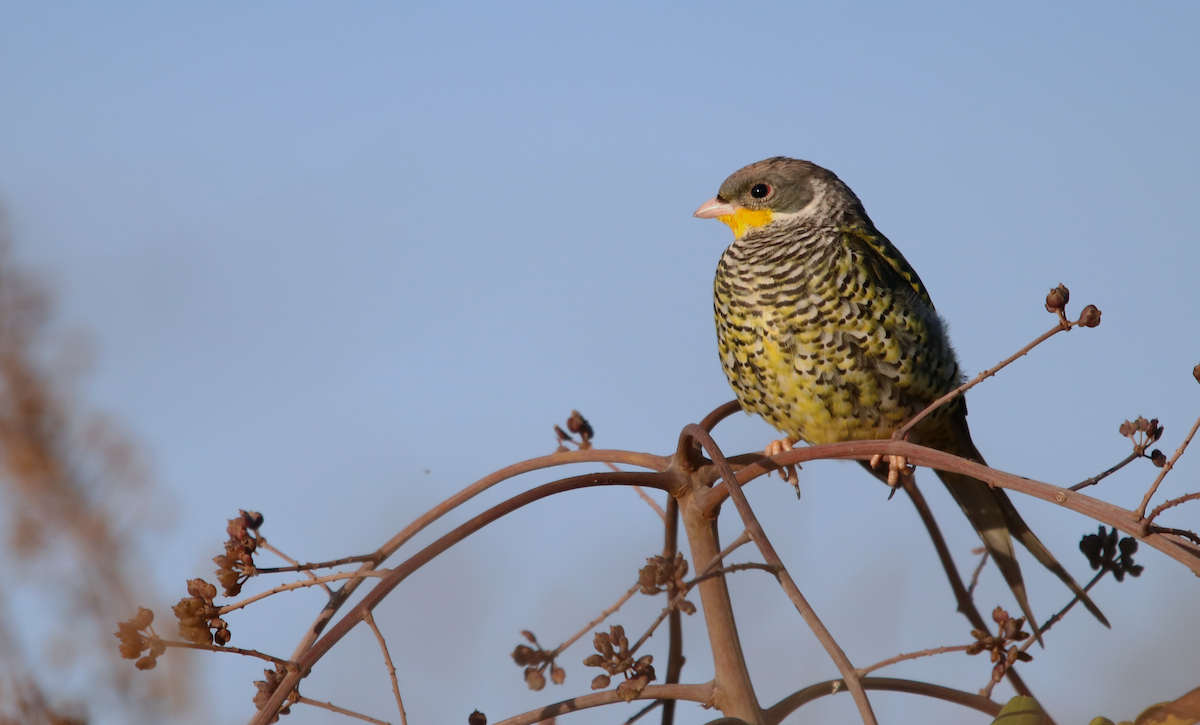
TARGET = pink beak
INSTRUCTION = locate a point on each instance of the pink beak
(714, 208)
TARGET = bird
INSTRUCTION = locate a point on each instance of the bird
(826, 331)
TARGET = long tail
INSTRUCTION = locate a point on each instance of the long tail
(997, 521)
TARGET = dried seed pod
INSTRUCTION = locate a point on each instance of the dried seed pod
(1057, 300)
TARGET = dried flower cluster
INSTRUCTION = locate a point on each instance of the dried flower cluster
(1101, 550)
(199, 618)
(578, 425)
(1143, 433)
(236, 565)
(137, 636)
(1001, 645)
(661, 574)
(267, 687)
(536, 660)
(616, 658)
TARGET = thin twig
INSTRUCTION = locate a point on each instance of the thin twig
(339, 710)
(983, 560)
(742, 539)
(1060, 327)
(603, 616)
(317, 565)
(295, 565)
(1063, 612)
(646, 711)
(750, 521)
(1141, 509)
(387, 660)
(638, 490)
(1189, 535)
(864, 671)
(305, 583)
(709, 573)
(966, 603)
(745, 566)
(229, 650)
(1171, 504)
(1101, 476)
(672, 606)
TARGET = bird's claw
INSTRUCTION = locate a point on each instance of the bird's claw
(787, 473)
(899, 470)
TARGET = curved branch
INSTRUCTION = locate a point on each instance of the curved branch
(1176, 547)
(721, 413)
(642, 460)
(424, 556)
(695, 693)
(777, 712)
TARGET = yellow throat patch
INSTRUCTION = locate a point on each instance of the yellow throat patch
(743, 220)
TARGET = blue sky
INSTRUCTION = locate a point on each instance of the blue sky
(337, 261)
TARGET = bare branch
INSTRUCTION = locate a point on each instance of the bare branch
(642, 460)
(983, 560)
(1170, 543)
(424, 556)
(387, 660)
(309, 566)
(1063, 612)
(295, 565)
(864, 671)
(1062, 326)
(229, 650)
(693, 693)
(1141, 509)
(789, 586)
(1171, 504)
(603, 616)
(304, 584)
(339, 710)
(1101, 476)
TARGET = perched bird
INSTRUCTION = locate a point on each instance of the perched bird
(826, 332)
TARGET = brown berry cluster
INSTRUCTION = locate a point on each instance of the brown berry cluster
(616, 658)
(576, 424)
(1143, 433)
(267, 687)
(661, 574)
(236, 565)
(1002, 645)
(477, 718)
(536, 660)
(137, 636)
(199, 618)
(1196, 373)
(1101, 550)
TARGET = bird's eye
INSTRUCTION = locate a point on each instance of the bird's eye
(758, 191)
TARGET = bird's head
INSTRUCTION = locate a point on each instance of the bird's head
(769, 191)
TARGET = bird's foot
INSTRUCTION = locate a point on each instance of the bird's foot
(899, 470)
(787, 473)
